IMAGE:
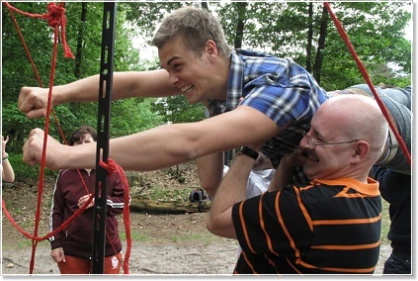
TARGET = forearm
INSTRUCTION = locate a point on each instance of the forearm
(282, 178)
(210, 171)
(231, 191)
(7, 173)
(125, 85)
(154, 149)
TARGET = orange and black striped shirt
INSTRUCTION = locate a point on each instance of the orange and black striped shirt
(327, 227)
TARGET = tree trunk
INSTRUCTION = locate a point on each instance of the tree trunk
(239, 34)
(321, 46)
(310, 35)
(205, 5)
(80, 37)
(157, 207)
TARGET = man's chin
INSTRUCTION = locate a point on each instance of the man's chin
(192, 100)
(308, 173)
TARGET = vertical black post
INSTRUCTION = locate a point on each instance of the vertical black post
(105, 88)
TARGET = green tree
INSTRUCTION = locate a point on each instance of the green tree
(84, 36)
(304, 32)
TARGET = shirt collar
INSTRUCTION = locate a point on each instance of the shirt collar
(234, 90)
(236, 74)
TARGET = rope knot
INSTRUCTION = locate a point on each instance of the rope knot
(55, 14)
(56, 18)
(110, 167)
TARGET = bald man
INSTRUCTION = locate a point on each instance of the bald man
(398, 103)
(329, 226)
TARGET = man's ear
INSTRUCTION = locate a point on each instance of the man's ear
(361, 151)
(211, 49)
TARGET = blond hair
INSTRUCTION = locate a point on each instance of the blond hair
(195, 26)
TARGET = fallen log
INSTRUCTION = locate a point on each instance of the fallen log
(169, 207)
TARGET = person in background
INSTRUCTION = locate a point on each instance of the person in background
(396, 189)
(71, 248)
(7, 173)
(331, 225)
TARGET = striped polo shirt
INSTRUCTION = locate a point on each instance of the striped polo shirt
(326, 227)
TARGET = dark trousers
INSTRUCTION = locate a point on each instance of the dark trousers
(397, 265)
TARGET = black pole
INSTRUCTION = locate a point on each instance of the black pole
(105, 90)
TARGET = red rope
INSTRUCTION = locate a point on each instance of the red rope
(369, 82)
(112, 166)
(63, 226)
(55, 19)
(38, 78)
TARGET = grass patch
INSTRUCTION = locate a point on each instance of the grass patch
(135, 236)
(22, 242)
(167, 194)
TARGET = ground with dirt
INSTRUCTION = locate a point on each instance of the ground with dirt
(162, 244)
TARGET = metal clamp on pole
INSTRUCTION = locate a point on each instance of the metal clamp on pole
(105, 90)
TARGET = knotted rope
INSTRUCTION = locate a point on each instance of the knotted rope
(56, 18)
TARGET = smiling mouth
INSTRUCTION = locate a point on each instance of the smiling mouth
(186, 89)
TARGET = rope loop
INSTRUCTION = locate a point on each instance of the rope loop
(111, 167)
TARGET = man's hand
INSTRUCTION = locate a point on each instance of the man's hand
(3, 145)
(83, 201)
(32, 150)
(33, 101)
(57, 255)
(295, 159)
(287, 166)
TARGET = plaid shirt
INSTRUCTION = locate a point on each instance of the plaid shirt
(280, 88)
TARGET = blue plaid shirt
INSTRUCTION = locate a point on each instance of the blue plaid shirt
(280, 88)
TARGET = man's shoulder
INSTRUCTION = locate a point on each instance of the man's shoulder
(249, 56)
(66, 174)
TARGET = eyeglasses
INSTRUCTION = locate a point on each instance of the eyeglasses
(313, 143)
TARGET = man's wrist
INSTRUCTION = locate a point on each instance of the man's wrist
(245, 150)
(5, 156)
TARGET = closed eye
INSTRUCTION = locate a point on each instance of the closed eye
(177, 66)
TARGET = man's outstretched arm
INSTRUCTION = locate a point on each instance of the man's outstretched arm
(160, 147)
(32, 101)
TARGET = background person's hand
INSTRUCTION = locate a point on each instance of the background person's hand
(3, 145)
(83, 200)
(57, 255)
(33, 101)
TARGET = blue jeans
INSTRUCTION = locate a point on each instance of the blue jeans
(397, 265)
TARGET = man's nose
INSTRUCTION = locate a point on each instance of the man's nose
(304, 142)
(172, 79)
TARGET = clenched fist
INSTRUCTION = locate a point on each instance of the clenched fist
(33, 101)
(33, 147)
